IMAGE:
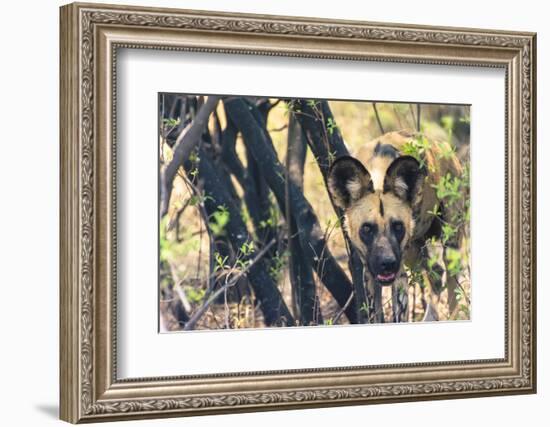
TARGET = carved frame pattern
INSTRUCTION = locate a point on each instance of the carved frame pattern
(81, 399)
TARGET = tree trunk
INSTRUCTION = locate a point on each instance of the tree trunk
(327, 144)
(301, 275)
(311, 236)
(273, 307)
(186, 142)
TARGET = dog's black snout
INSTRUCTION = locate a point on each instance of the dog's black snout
(388, 264)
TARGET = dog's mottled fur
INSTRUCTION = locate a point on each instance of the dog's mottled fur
(387, 198)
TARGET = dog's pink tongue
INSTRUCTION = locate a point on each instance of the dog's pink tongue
(388, 276)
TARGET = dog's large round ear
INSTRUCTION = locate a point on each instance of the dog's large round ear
(404, 178)
(348, 181)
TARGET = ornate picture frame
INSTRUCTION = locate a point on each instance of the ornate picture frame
(90, 37)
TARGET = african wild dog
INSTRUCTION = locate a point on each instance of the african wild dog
(388, 199)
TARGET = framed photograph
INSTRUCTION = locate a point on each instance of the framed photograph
(266, 212)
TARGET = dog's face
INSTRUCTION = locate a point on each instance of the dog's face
(379, 220)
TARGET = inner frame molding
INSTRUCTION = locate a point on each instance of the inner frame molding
(90, 36)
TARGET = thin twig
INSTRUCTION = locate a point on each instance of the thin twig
(462, 289)
(397, 117)
(380, 309)
(414, 118)
(226, 307)
(339, 314)
(274, 104)
(200, 312)
(378, 118)
(182, 297)
(179, 290)
(192, 188)
(186, 141)
(279, 129)
(175, 222)
(413, 314)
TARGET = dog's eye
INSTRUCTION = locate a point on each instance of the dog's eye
(367, 228)
(398, 226)
(398, 229)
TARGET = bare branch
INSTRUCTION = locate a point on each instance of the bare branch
(343, 309)
(187, 140)
(378, 118)
(261, 148)
(211, 240)
(179, 290)
(300, 271)
(219, 192)
(200, 312)
(326, 147)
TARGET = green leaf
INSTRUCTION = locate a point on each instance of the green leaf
(218, 220)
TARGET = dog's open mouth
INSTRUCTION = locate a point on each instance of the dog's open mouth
(385, 277)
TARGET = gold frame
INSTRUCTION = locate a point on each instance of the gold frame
(90, 36)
